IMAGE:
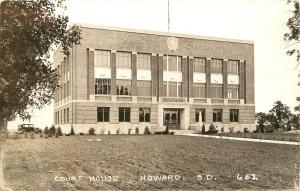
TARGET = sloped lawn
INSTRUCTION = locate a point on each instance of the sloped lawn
(37, 164)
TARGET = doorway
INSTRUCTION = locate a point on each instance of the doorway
(172, 118)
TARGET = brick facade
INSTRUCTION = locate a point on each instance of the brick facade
(82, 101)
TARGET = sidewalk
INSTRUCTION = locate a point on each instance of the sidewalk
(243, 139)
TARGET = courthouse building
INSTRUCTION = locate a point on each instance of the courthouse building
(124, 78)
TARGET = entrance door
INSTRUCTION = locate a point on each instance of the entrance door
(172, 118)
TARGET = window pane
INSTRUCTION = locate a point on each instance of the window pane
(102, 86)
(199, 65)
(179, 61)
(123, 87)
(123, 60)
(216, 66)
(127, 114)
(172, 89)
(200, 115)
(233, 67)
(165, 89)
(234, 115)
(179, 89)
(217, 115)
(199, 90)
(165, 63)
(143, 61)
(102, 58)
(144, 88)
(172, 63)
(103, 114)
(216, 91)
(144, 115)
(233, 91)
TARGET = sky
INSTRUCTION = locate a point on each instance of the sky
(261, 21)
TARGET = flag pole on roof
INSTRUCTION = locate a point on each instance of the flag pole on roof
(168, 16)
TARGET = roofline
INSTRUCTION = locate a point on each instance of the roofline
(112, 28)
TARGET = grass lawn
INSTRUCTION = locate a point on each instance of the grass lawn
(33, 164)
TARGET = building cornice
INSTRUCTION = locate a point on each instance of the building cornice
(111, 28)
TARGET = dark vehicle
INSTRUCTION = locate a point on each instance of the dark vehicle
(28, 128)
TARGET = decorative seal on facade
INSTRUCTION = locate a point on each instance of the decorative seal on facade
(172, 43)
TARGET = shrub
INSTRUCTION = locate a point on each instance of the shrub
(58, 132)
(172, 133)
(46, 130)
(231, 129)
(203, 129)
(118, 131)
(31, 135)
(137, 130)
(129, 131)
(52, 130)
(166, 132)
(91, 131)
(41, 135)
(246, 130)
(72, 131)
(81, 133)
(212, 129)
(222, 129)
(238, 131)
(56, 135)
(147, 131)
(108, 132)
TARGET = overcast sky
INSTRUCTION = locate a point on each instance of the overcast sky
(262, 21)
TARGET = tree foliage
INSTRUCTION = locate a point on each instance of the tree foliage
(29, 31)
(293, 35)
(279, 117)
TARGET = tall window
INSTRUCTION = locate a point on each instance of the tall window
(123, 87)
(199, 90)
(68, 120)
(102, 58)
(102, 86)
(124, 114)
(216, 91)
(143, 61)
(123, 60)
(234, 115)
(144, 88)
(200, 115)
(216, 66)
(103, 114)
(144, 114)
(199, 65)
(217, 115)
(233, 67)
(233, 91)
(64, 115)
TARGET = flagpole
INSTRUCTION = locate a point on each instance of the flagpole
(168, 16)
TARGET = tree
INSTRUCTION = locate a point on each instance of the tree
(46, 130)
(59, 132)
(261, 119)
(279, 115)
(29, 32)
(72, 131)
(52, 130)
(293, 36)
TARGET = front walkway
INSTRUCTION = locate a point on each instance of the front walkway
(242, 139)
